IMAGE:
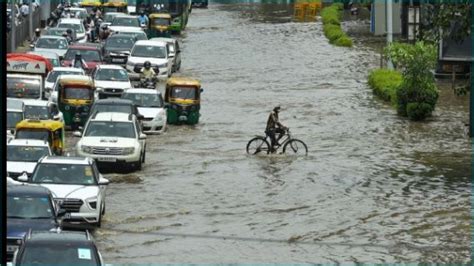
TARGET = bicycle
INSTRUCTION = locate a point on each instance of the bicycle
(260, 144)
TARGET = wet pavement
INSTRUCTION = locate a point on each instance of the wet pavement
(374, 187)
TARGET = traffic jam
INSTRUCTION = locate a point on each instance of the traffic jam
(110, 79)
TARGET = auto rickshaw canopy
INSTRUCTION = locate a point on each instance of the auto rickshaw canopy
(96, 3)
(83, 81)
(50, 125)
(183, 81)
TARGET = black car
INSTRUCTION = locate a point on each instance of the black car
(47, 248)
(29, 207)
(117, 48)
(115, 105)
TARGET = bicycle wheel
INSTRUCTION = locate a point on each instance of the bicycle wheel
(258, 145)
(295, 146)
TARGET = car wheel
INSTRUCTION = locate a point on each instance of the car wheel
(103, 210)
(138, 165)
(99, 223)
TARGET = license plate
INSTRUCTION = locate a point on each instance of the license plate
(107, 159)
(117, 60)
(11, 248)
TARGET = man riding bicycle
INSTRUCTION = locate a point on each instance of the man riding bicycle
(275, 127)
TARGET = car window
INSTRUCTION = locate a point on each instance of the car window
(71, 174)
(66, 253)
(27, 207)
(111, 74)
(13, 118)
(110, 129)
(36, 112)
(33, 134)
(149, 51)
(20, 153)
(144, 99)
(125, 21)
(87, 55)
(51, 43)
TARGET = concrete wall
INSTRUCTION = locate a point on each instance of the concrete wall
(22, 31)
(378, 18)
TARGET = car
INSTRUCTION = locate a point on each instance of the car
(117, 48)
(29, 208)
(23, 155)
(149, 104)
(42, 110)
(15, 114)
(55, 73)
(79, 12)
(59, 32)
(77, 186)
(55, 44)
(52, 57)
(154, 51)
(137, 32)
(125, 21)
(91, 54)
(113, 138)
(110, 80)
(54, 247)
(174, 51)
(75, 24)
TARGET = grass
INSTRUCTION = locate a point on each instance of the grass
(331, 17)
(384, 83)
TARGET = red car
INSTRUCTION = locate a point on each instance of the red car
(92, 55)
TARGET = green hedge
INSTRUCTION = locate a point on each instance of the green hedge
(331, 17)
(385, 83)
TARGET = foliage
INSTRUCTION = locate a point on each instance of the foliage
(384, 83)
(343, 41)
(453, 18)
(417, 95)
(332, 26)
(331, 15)
(333, 32)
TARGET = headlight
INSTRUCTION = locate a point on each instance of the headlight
(99, 89)
(92, 202)
(86, 149)
(129, 150)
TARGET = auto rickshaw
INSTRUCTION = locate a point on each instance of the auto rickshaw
(51, 131)
(182, 97)
(90, 4)
(115, 6)
(159, 25)
(76, 94)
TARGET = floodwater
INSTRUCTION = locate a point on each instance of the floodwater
(374, 187)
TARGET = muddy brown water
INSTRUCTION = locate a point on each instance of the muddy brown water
(374, 188)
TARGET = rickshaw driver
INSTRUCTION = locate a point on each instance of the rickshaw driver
(147, 72)
(274, 126)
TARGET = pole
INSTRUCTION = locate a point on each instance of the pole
(471, 93)
(13, 26)
(389, 29)
(30, 9)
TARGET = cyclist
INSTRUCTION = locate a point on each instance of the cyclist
(275, 127)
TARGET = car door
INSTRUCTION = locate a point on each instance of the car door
(177, 54)
(102, 188)
(139, 132)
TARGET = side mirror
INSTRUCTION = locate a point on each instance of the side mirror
(61, 58)
(103, 181)
(56, 117)
(178, 51)
(12, 131)
(142, 136)
(140, 117)
(23, 178)
(32, 46)
(77, 134)
(201, 90)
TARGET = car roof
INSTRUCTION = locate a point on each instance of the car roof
(27, 190)
(110, 67)
(113, 101)
(66, 160)
(70, 21)
(127, 29)
(52, 37)
(83, 47)
(170, 40)
(59, 29)
(60, 236)
(46, 54)
(71, 69)
(122, 15)
(121, 35)
(142, 91)
(35, 102)
(28, 142)
(150, 43)
(112, 116)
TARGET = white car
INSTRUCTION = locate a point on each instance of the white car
(137, 32)
(76, 184)
(110, 80)
(55, 73)
(125, 21)
(23, 155)
(154, 51)
(15, 113)
(113, 138)
(75, 24)
(174, 51)
(149, 104)
(55, 44)
(42, 110)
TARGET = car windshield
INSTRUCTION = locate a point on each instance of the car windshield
(57, 173)
(65, 252)
(28, 207)
(18, 87)
(51, 43)
(33, 134)
(55, 32)
(161, 22)
(77, 93)
(183, 92)
(110, 129)
(53, 75)
(111, 75)
(38, 112)
(149, 51)
(77, 27)
(26, 153)
(109, 17)
(87, 55)
(13, 118)
(144, 99)
(115, 108)
(119, 42)
(125, 21)
(139, 35)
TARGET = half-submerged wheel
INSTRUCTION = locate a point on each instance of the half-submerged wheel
(295, 146)
(258, 145)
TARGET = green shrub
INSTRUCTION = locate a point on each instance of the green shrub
(343, 41)
(331, 15)
(385, 83)
(333, 32)
(339, 6)
(418, 111)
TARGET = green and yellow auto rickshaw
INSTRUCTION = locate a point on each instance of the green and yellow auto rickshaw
(159, 25)
(90, 4)
(119, 6)
(51, 131)
(183, 100)
(76, 95)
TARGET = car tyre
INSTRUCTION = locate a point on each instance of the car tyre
(143, 157)
(138, 165)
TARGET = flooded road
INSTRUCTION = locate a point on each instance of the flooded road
(374, 188)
